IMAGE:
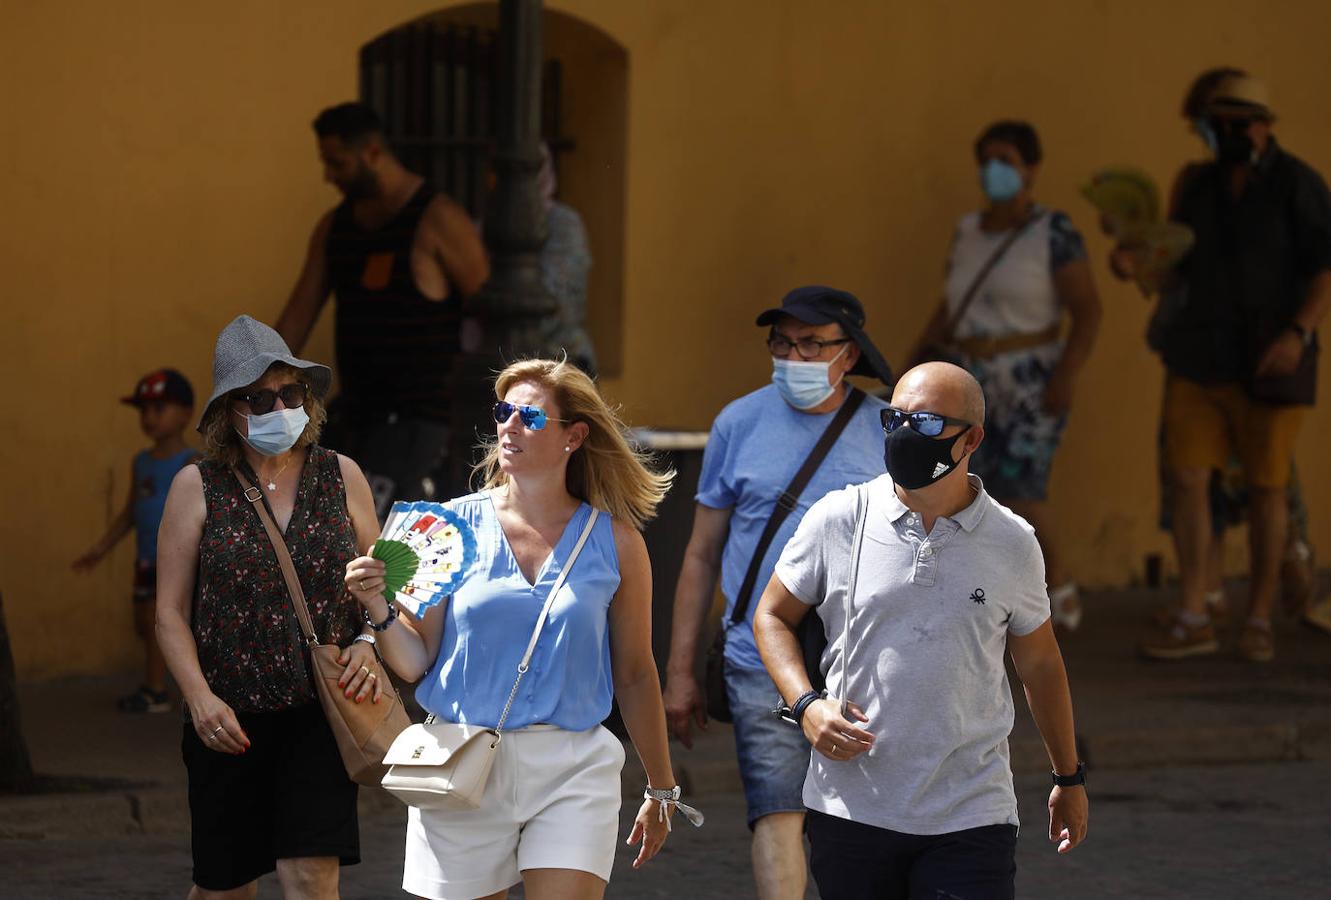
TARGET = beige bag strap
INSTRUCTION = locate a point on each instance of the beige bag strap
(545, 613)
(950, 326)
(861, 516)
(255, 496)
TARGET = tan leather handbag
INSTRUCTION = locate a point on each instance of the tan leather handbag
(364, 731)
(444, 765)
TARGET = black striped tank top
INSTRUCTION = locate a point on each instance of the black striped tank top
(395, 346)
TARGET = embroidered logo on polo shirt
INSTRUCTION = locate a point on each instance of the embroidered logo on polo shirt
(939, 469)
(977, 596)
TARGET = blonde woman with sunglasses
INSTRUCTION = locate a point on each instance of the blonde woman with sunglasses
(549, 817)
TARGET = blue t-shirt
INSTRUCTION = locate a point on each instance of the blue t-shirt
(757, 444)
(152, 479)
(488, 622)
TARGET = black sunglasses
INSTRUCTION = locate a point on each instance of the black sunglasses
(263, 401)
(532, 417)
(926, 423)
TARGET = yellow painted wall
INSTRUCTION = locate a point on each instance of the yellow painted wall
(159, 178)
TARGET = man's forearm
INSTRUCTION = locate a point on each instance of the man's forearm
(294, 325)
(1050, 701)
(693, 599)
(780, 651)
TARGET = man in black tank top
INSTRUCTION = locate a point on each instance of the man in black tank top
(400, 256)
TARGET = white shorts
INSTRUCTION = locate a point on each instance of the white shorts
(552, 802)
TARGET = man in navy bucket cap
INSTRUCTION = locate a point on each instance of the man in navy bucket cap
(818, 305)
(749, 501)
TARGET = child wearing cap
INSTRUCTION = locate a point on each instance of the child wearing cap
(165, 402)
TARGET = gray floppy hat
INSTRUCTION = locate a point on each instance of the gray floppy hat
(245, 349)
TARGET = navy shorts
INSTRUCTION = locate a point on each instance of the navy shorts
(853, 861)
(773, 754)
(287, 796)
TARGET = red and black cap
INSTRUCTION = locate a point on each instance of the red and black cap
(815, 304)
(166, 385)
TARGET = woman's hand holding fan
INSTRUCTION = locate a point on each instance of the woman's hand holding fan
(427, 550)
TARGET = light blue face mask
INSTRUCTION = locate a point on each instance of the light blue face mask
(804, 384)
(999, 180)
(276, 432)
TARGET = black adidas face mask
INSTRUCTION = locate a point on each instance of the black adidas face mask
(915, 460)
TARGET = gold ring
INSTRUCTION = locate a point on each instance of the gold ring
(217, 729)
(371, 675)
(365, 669)
(361, 582)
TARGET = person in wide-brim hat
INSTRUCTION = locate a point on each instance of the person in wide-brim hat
(245, 350)
(225, 619)
(818, 305)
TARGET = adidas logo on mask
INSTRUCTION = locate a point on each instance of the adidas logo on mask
(939, 469)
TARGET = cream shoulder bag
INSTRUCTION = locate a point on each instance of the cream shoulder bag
(444, 765)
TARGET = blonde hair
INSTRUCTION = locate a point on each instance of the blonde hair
(606, 470)
(221, 441)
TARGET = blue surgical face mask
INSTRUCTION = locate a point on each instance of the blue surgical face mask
(276, 432)
(999, 180)
(804, 384)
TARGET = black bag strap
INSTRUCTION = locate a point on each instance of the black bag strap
(786, 503)
(999, 252)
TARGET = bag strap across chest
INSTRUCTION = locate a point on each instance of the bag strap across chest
(545, 614)
(789, 499)
(297, 593)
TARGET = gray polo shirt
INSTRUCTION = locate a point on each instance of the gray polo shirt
(928, 634)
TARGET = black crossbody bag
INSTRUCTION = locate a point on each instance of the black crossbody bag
(812, 637)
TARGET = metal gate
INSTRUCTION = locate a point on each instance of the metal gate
(436, 89)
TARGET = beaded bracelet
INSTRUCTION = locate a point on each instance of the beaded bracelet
(388, 620)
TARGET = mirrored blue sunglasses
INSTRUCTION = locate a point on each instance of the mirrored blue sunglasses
(532, 417)
(926, 423)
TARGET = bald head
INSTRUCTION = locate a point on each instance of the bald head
(942, 388)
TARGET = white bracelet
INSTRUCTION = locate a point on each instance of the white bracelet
(367, 638)
(669, 797)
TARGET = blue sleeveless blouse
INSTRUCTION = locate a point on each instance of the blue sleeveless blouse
(488, 622)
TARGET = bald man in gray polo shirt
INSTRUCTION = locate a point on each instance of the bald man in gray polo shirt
(910, 790)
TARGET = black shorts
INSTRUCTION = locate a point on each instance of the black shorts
(853, 861)
(287, 796)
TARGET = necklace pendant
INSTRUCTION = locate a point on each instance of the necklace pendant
(272, 485)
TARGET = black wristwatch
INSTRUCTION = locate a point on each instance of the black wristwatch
(1071, 780)
(1304, 334)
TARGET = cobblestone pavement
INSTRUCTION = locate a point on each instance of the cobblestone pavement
(1214, 832)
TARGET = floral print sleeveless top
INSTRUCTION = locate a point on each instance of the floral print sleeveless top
(249, 642)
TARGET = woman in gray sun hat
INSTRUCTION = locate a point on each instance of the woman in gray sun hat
(267, 787)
